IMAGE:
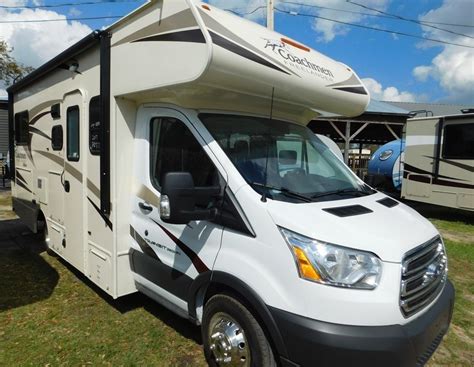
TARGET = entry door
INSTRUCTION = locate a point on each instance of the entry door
(73, 181)
(167, 255)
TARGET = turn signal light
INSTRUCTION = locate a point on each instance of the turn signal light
(306, 269)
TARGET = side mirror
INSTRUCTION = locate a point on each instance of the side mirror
(179, 197)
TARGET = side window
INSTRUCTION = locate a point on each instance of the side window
(94, 125)
(22, 128)
(458, 142)
(173, 148)
(72, 132)
(57, 137)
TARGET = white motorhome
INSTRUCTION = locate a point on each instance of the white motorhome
(168, 154)
(439, 161)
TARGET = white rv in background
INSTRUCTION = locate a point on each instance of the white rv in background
(168, 154)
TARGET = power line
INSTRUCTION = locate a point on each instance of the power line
(408, 19)
(370, 14)
(373, 28)
(68, 4)
(248, 13)
(59, 20)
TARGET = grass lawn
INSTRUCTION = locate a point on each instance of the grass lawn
(50, 315)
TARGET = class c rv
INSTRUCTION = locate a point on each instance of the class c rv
(439, 161)
(169, 155)
(432, 164)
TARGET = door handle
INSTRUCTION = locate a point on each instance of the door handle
(145, 206)
(67, 186)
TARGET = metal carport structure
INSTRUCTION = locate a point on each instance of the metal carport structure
(379, 124)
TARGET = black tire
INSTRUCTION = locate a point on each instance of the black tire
(260, 351)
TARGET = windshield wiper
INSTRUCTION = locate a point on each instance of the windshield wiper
(284, 191)
(340, 192)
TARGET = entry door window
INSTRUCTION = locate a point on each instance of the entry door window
(72, 122)
(173, 148)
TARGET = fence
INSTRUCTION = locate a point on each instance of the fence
(359, 163)
(4, 173)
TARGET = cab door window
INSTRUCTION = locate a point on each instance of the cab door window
(173, 148)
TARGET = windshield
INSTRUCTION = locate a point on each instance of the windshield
(282, 160)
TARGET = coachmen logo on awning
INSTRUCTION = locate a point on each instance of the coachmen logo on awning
(283, 51)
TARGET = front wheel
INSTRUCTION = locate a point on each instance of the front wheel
(232, 336)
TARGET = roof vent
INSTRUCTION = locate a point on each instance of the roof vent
(388, 202)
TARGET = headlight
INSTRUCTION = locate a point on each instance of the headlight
(333, 265)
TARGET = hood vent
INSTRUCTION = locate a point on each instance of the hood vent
(348, 211)
(388, 202)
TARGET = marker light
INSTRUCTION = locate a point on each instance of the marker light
(295, 44)
(334, 265)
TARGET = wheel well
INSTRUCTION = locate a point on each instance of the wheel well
(41, 222)
(254, 304)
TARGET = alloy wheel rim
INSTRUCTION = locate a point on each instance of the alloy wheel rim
(227, 341)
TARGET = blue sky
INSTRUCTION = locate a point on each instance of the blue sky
(392, 67)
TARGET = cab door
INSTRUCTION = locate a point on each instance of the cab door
(168, 257)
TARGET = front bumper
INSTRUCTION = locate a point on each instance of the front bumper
(316, 343)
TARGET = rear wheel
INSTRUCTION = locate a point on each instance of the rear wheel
(232, 336)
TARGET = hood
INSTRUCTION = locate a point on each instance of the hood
(387, 232)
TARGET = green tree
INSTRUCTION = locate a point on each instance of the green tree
(10, 69)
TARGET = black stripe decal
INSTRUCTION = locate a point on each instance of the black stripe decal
(20, 177)
(356, 90)
(435, 181)
(34, 130)
(193, 35)
(35, 119)
(197, 262)
(455, 164)
(235, 48)
(21, 184)
(164, 276)
(104, 217)
(410, 168)
(143, 245)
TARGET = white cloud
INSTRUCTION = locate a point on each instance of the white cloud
(422, 72)
(35, 43)
(74, 12)
(392, 94)
(453, 67)
(329, 30)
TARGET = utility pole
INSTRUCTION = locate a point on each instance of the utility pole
(270, 15)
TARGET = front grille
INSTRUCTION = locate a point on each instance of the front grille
(424, 272)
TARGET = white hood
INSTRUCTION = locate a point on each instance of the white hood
(387, 232)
